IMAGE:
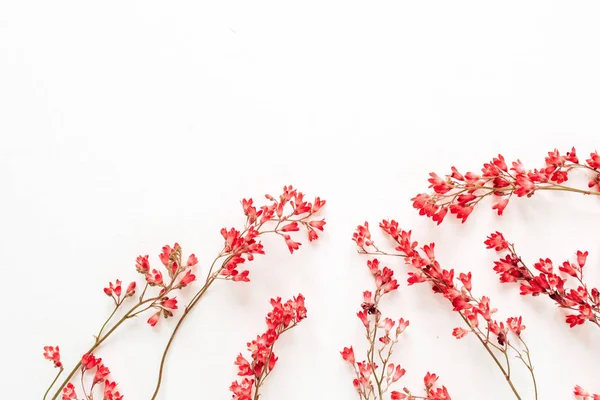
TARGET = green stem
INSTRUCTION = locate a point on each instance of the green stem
(53, 382)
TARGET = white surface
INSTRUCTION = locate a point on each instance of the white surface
(128, 125)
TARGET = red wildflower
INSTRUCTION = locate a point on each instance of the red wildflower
(68, 392)
(292, 245)
(154, 319)
(101, 373)
(88, 361)
(52, 353)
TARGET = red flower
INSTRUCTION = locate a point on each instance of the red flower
(154, 319)
(52, 353)
(291, 244)
(169, 303)
(154, 278)
(348, 355)
(515, 325)
(187, 278)
(430, 380)
(130, 290)
(101, 373)
(524, 186)
(142, 264)
(581, 258)
(88, 361)
(69, 392)
(291, 227)
(110, 391)
(459, 333)
(192, 260)
(362, 235)
(362, 315)
(116, 289)
(594, 160)
(318, 224)
(244, 367)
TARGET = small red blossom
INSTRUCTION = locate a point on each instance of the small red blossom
(68, 392)
(52, 353)
(101, 373)
(88, 361)
(154, 319)
(459, 333)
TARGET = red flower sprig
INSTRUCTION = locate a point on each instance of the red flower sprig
(179, 275)
(459, 193)
(282, 318)
(582, 394)
(475, 312)
(282, 216)
(546, 281)
(371, 382)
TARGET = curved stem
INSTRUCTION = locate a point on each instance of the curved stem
(60, 371)
(106, 322)
(187, 310)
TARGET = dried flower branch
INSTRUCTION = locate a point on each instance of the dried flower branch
(459, 294)
(371, 383)
(460, 193)
(163, 302)
(282, 318)
(511, 268)
(281, 217)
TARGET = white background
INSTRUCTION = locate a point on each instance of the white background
(127, 125)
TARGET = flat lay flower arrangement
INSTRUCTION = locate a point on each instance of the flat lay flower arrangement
(374, 367)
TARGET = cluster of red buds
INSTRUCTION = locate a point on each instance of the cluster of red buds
(282, 318)
(476, 313)
(370, 382)
(460, 193)
(582, 300)
(283, 216)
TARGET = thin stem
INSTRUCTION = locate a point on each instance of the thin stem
(495, 359)
(187, 310)
(60, 371)
(107, 320)
(530, 367)
(98, 342)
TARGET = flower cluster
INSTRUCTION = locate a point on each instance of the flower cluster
(460, 193)
(477, 313)
(289, 213)
(582, 300)
(179, 274)
(284, 216)
(91, 364)
(369, 382)
(582, 394)
(282, 318)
